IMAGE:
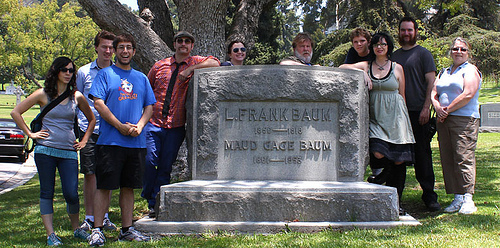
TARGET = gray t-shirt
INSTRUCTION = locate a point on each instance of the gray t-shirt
(416, 63)
(60, 122)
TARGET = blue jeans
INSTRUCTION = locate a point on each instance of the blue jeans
(162, 147)
(68, 172)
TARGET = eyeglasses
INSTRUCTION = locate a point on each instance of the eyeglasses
(125, 47)
(186, 41)
(64, 69)
(380, 45)
(242, 49)
(456, 49)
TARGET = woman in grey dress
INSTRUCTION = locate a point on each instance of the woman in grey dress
(391, 136)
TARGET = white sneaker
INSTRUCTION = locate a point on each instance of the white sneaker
(96, 238)
(468, 207)
(455, 205)
(108, 225)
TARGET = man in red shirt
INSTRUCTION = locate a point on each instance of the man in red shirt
(165, 131)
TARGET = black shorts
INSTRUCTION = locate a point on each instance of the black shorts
(87, 154)
(119, 167)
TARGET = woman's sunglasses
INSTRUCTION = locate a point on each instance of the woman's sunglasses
(235, 50)
(64, 69)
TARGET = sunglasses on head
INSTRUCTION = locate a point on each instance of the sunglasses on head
(64, 69)
(186, 41)
(456, 49)
(235, 50)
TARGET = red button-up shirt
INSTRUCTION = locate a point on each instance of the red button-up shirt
(159, 77)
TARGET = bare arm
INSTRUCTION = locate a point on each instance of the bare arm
(363, 65)
(430, 77)
(83, 105)
(109, 117)
(400, 76)
(38, 97)
(440, 112)
(210, 62)
(146, 115)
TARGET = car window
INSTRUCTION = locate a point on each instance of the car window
(7, 124)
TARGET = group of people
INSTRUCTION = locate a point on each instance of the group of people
(131, 125)
(403, 88)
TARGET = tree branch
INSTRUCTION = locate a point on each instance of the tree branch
(112, 16)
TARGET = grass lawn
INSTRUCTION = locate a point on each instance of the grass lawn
(21, 225)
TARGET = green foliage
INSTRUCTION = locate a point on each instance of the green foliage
(263, 53)
(328, 53)
(336, 57)
(485, 45)
(439, 48)
(277, 27)
(38, 33)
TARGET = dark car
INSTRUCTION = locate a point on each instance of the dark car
(12, 140)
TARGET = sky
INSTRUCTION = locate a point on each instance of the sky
(131, 3)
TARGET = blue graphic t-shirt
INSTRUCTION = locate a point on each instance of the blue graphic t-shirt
(126, 93)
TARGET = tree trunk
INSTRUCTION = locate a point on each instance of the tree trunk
(112, 16)
(206, 20)
(162, 23)
(246, 20)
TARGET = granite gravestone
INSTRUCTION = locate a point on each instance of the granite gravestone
(490, 115)
(272, 145)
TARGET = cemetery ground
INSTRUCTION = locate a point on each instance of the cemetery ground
(21, 226)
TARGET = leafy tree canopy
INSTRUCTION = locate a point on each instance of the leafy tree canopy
(32, 36)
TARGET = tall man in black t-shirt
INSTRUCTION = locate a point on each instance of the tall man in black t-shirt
(420, 73)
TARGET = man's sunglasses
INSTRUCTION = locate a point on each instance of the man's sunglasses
(456, 49)
(235, 50)
(64, 69)
(186, 41)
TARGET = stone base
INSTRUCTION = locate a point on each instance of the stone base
(152, 226)
(265, 206)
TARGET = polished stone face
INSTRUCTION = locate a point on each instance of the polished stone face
(278, 140)
(278, 123)
(490, 115)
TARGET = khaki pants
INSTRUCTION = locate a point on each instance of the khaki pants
(457, 137)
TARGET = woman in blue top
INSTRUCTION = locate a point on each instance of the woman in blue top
(56, 143)
(455, 98)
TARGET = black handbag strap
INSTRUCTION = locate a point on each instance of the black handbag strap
(39, 117)
(54, 103)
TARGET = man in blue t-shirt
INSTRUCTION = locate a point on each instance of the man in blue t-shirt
(124, 99)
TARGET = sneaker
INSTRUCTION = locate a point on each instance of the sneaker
(81, 234)
(53, 240)
(132, 235)
(87, 225)
(468, 206)
(96, 238)
(455, 205)
(108, 225)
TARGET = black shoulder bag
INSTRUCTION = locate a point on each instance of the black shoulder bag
(36, 124)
